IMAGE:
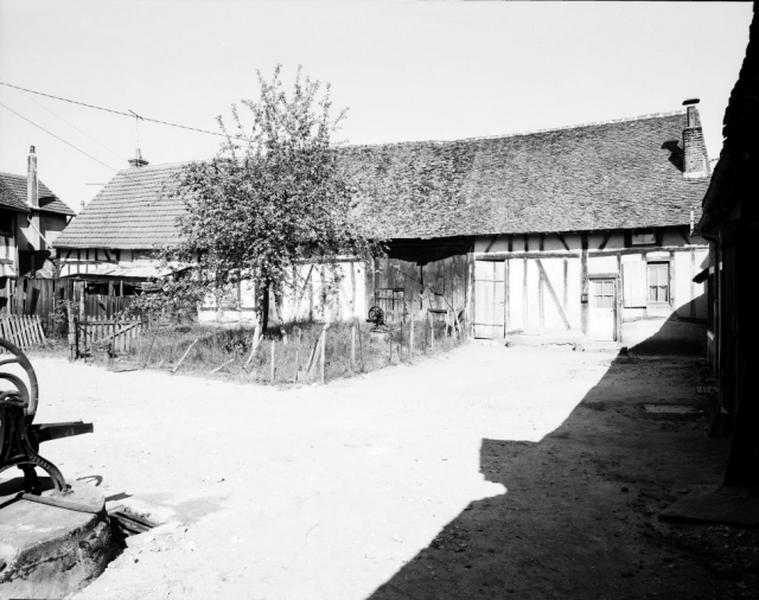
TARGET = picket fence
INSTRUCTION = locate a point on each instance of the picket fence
(25, 331)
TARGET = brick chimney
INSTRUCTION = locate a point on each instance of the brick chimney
(138, 161)
(696, 163)
(32, 187)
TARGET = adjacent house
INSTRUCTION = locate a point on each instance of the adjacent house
(31, 218)
(730, 221)
(583, 231)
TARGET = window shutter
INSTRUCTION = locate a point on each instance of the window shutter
(634, 284)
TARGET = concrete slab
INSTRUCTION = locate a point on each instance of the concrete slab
(48, 551)
(737, 506)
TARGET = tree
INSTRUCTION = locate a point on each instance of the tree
(273, 197)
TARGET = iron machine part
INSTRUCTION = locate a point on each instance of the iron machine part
(377, 316)
(19, 437)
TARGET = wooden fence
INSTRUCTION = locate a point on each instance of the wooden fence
(33, 296)
(117, 336)
(25, 331)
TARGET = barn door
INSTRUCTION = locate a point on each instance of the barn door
(489, 299)
(603, 316)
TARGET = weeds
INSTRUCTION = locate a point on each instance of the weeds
(295, 350)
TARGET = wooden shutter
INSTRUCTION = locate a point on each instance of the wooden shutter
(634, 284)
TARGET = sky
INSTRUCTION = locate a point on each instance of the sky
(404, 70)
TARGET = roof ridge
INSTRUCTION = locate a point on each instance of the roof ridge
(657, 115)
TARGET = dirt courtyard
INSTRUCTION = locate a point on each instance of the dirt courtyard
(487, 472)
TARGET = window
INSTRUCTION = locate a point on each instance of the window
(642, 237)
(602, 293)
(658, 282)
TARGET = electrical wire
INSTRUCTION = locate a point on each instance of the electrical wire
(130, 114)
(75, 127)
(57, 137)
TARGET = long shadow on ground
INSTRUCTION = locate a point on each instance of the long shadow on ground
(580, 518)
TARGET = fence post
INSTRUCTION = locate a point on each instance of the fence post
(186, 352)
(432, 334)
(272, 368)
(322, 353)
(72, 330)
(411, 341)
(256, 342)
(353, 347)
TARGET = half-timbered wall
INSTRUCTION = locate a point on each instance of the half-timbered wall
(620, 285)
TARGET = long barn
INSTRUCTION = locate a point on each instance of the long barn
(580, 231)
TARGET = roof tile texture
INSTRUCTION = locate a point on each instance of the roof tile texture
(624, 174)
(13, 195)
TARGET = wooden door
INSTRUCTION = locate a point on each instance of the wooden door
(489, 299)
(603, 315)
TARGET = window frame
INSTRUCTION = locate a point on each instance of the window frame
(658, 265)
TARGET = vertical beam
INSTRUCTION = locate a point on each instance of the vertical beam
(672, 279)
(524, 293)
(584, 283)
(619, 291)
(506, 293)
(692, 302)
(541, 304)
(565, 293)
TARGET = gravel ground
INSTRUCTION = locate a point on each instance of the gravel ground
(477, 473)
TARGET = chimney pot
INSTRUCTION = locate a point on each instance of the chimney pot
(32, 187)
(138, 161)
(696, 164)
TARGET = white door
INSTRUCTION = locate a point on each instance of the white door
(603, 315)
(489, 299)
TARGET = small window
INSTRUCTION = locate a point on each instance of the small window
(658, 282)
(643, 238)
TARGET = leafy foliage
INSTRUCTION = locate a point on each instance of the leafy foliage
(272, 197)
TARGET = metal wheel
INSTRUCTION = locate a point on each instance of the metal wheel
(28, 394)
(17, 409)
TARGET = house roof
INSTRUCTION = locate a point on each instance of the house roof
(734, 176)
(13, 196)
(622, 174)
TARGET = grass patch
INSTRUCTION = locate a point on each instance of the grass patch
(223, 352)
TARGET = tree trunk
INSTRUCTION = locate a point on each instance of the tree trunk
(264, 312)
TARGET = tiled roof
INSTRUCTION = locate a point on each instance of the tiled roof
(623, 174)
(134, 210)
(13, 195)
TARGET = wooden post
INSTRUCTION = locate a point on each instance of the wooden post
(411, 341)
(72, 329)
(272, 367)
(353, 346)
(256, 342)
(298, 343)
(186, 352)
(322, 351)
(432, 334)
(221, 366)
(360, 347)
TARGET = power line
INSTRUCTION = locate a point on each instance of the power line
(73, 126)
(130, 114)
(57, 137)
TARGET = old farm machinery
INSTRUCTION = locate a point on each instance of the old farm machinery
(20, 437)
